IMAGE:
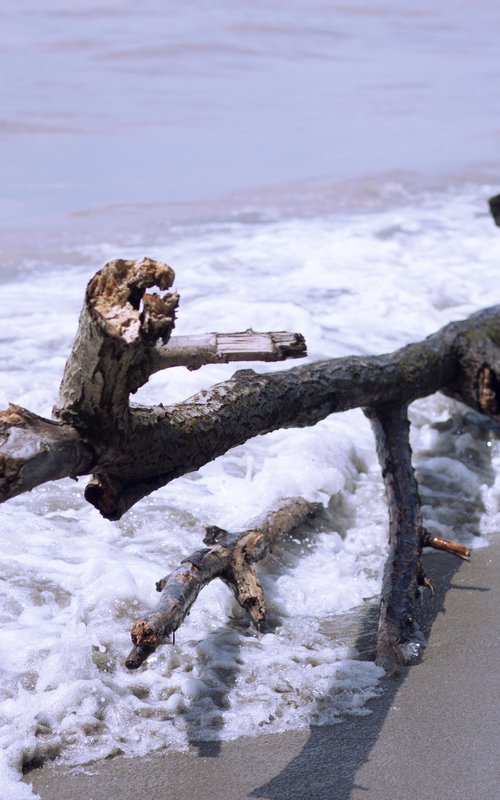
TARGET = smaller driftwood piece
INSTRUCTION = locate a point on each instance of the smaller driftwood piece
(124, 336)
(229, 556)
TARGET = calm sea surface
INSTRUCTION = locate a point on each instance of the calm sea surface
(308, 166)
(120, 103)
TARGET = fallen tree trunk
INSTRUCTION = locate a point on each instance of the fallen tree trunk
(124, 337)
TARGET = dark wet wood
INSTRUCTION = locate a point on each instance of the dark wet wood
(494, 203)
(399, 638)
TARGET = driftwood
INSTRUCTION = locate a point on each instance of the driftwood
(229, 557)
(494, 204)
(124, 337)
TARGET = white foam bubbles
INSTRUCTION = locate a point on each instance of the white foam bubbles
(73, 583)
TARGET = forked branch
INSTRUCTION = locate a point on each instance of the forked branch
(230, 557)
(124, 337)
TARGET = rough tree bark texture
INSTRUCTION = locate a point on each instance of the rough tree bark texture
(124, 337)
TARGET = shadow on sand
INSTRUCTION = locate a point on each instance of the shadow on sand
(330, 762)
(327, 766)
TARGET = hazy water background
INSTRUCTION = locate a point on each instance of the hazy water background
(124, 103)
(305, 166)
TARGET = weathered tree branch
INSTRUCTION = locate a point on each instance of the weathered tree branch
(165, 442)
(229, 556)
(194, 352)
(144, 448)
(399, 637)
(34, 450)
(112, 356)
(446, 545)
(124, 337)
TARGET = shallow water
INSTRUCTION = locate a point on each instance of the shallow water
(322, 169)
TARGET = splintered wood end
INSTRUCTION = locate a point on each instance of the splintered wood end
(137, 657)
(143, 635)
(488, 390)
(12, 415)
(116, 297)
(447, 545)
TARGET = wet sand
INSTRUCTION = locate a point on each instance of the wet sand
(434, 732)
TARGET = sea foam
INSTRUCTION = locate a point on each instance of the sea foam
(73, 583)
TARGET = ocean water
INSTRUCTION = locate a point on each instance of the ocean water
(311, 167)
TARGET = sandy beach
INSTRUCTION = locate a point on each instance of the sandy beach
(433, 732)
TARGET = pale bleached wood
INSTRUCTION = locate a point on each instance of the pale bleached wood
(195, 351)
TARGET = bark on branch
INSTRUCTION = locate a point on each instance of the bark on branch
(119, 327)
(230, 557)
(165, 442)
(124, 337)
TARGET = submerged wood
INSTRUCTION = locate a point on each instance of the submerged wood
(124, 336)
(399, 637)
(230, 557)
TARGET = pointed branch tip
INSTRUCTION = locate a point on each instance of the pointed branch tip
(447, 545)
